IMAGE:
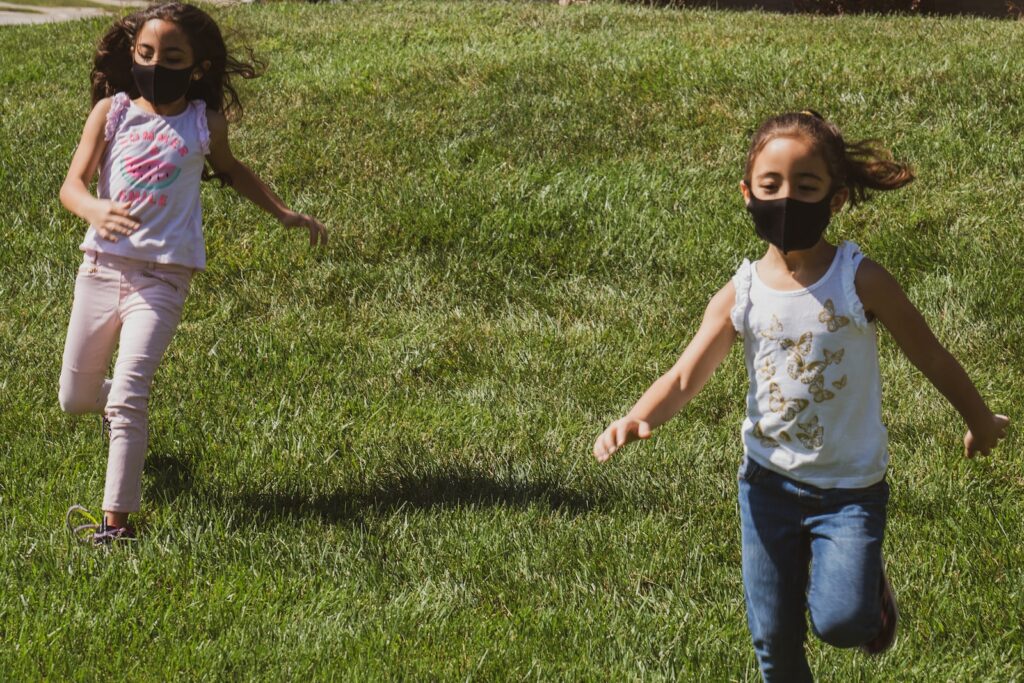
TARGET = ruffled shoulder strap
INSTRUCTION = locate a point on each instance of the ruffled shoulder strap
(741, 281)
(202, 126)
(118, 106)
(851, 256)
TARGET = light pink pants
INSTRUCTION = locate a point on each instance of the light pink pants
(142, 301)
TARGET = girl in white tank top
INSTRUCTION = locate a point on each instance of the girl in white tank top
(812, 481)
(161, 89)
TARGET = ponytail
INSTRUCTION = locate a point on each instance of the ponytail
(870, 166)
(858, 166)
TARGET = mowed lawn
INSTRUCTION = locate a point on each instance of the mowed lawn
(374, 462)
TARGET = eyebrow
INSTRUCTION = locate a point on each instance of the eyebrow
(806, 174)
(170, 48)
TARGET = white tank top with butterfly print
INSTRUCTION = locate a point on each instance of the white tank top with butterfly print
(814, 408)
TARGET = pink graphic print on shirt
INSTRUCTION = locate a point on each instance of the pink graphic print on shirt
(148, 172)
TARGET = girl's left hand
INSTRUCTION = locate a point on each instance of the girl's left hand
(983, 440)
(317, 231)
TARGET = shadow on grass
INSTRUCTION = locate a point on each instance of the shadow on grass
(464, 488)
(169, 475)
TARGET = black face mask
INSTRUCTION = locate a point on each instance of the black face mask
(788, 223)
(160, 85)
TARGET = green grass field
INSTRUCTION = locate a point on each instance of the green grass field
(374, 462)
(30, 4)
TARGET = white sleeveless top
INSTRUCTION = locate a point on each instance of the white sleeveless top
(155, 163)
(814, 408)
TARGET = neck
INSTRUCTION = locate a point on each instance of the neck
(171, 109)
(802, 260)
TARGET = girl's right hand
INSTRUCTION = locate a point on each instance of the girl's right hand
(110, 219)
(619, 433)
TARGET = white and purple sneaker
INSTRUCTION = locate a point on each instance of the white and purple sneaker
(84, 526)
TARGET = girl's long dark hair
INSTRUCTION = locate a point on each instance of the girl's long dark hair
(112, 63)
(859, 166)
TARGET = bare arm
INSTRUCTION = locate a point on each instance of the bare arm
(884, 298)
(249, 185)
(109, 218)
(681, 383)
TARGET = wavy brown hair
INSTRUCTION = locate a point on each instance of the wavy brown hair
(859, 166)
(112, 63)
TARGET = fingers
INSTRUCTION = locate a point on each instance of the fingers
(605, 446)
(618, 434)
(972, 447)
(317, 231)
(621, 434)
(123, 226)
(1002, 423)
(124, 209)
(610, 439)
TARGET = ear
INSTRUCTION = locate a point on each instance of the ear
(745, 190)
(201, 71)
(839, 199)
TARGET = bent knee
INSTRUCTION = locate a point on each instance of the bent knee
(848, 630)
(75, 403)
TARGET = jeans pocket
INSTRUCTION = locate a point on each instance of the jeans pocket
(174, 281)
(750, 471)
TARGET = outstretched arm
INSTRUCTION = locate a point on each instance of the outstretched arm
(248, 184)
(884, 298)
(678, 386)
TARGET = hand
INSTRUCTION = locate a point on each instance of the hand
(618, 434)
(317, 231)
(110, 219)
(983, 439)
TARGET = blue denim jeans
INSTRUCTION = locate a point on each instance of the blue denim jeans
(808, 549)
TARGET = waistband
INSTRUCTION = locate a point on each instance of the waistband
(127, 263)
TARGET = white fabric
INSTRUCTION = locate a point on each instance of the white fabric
(814, 408)
(155, 163)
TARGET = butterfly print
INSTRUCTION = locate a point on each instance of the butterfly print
(773, 329)
(766, 441)
(801, 346)
(789, 407)
(806, 372)
(834, 357)
(818, 390)
(767, 369)
(811, 434)
(829, 317)
(840, 383)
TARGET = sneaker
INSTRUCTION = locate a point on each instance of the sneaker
(84, 526)
(890, 615)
